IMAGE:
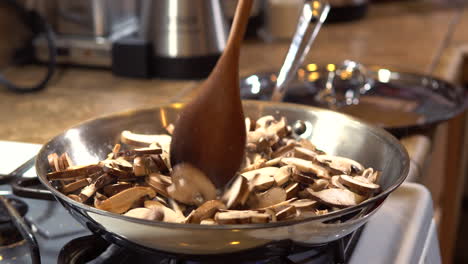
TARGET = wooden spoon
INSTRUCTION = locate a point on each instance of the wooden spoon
(210, 132)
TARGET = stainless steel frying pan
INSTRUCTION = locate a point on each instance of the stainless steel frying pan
(330, 131)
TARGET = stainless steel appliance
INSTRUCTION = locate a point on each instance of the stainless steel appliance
(187, 36)
(85, 30)
(137, 38)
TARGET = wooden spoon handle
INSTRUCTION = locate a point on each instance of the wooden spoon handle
(239, 25)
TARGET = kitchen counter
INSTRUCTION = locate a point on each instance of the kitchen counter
(406, 35)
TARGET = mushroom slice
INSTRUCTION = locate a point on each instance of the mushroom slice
(241, 217)
(371, 175)
(122, 201)
(303, 153)
(360, 186)
(169, 215)
(248, 125)
(271, 197)
(74, 172)
(260, 163)
(157, 181)
(273, 162)
(123, 164)
(146, 213)
(306, 166)
(176, 207)
(206, 210)
(208, 221)
(320, 184)
(344, 165)
(283, 174)
(66, 160)
(261, 179)
(278, 127)
(147, 151)
(160, 163)
(281, 151)
(304, 143)
(337, 197)
(190, 185)
(139, 167)
(75, 198)
(237, 193)
(301, 178)
(74, 186)
(305, 204)
(286, 213)
(264, 122)
(170, 129)
(335, 182)
(291, 190)
(53, 161)
(142, 140)
(113, 189)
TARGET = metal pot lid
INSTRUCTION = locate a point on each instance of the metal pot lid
(403, 103)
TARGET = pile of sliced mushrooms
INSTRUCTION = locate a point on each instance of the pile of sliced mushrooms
(283, 178)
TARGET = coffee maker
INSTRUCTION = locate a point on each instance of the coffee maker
(179, 39)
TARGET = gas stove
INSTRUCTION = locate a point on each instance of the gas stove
(402, 231)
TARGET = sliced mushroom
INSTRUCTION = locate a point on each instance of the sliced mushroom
(278, 127)
(260, 163)
(147, 151)
(273, 162)
(248, 125)
(122, 201)
(264, 122)
(53, 161)
(268, 198)
(371, 175)
(241, 217)
(341, 164)
(190, 185)
(319, 185)
(160, 163)
(75, 197)
(113, 189)
(261, 179)
(66, 160)
(205, 211)
(304, 143)
(283, 150)
(123, 164)
(178, 209)
(284, 174)
(142, 140)
(237, 193)
(307, 166)
(304, 153)
(146, 213)
(286, 213)
(74, 186)
(335, 182)
(74, 172)
(139, 167)
(158, 182)
(208, 221)
(302, 178)
(305, 204)
(291, 190)
(169, 215)
(337, 197)
(362, 186)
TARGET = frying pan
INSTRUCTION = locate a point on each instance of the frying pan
(332, 132)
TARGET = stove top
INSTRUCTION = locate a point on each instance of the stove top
(400, 232)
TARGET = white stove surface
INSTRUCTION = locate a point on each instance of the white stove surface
(402, 231)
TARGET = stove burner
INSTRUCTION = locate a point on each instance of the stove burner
(9, 234)
(95, 250)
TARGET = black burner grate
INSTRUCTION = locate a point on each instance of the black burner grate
(95, 250)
